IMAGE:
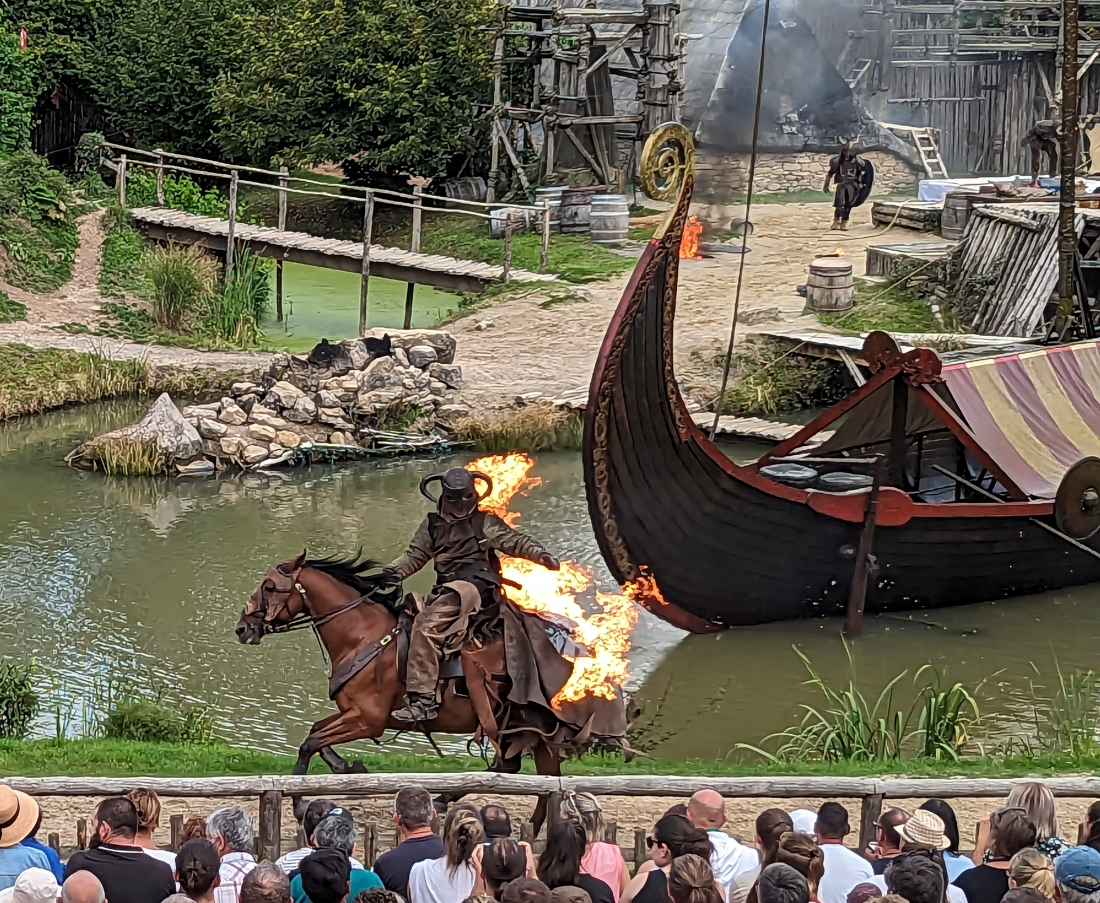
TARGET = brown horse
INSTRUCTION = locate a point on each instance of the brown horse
(353, 614)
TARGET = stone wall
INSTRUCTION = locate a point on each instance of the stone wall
(720, 175)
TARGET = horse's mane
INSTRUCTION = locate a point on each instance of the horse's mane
(351, 570)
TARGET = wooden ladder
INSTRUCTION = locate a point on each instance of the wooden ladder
(927, 147)
(859, 69)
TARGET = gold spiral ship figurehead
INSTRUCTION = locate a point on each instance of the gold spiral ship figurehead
(668, 156)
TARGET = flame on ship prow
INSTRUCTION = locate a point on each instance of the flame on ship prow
(605, 634)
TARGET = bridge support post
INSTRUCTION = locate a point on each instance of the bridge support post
(368, 225)
(418, 207)
(229, 249)
(121, 179)
(283, 174)
(544, 254)
(160, 177)
(506, 272)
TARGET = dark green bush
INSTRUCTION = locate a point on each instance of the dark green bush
(19, 703)
(146, 720)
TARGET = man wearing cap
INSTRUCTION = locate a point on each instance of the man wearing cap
(1077, 876)
(18, 819)
(335, 834)
(311, 818)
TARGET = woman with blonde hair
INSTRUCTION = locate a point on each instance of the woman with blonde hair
(690, 880)
(601, 859)
(801, 852)
(1031, 868)
(1037, 801)
(148, 808)
(451, 877)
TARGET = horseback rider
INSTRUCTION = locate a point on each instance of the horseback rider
(464, 543)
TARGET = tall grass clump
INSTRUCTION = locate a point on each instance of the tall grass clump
(19, 703)
(765, 379)
(125, 456)
(1067, 717)
(182, 280)
(850, 726)
(152, 721)
(536, 427)
(233, 314)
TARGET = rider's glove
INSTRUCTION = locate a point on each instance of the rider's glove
(549, 561)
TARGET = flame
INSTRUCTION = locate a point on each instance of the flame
(605, 634)
(838, 252)
(689, 241)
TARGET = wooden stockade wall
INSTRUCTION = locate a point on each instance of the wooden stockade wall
(271, 791)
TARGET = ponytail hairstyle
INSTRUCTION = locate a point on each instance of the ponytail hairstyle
(197, 866)
(1030, 868)
(771, 824)
(147, 804)
(462, 832)
(682, 837)
(802, 853)
(691, 880)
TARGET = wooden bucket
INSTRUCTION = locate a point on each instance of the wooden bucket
(610, 219)
(829, 286)
(551, 193)
(576, 208)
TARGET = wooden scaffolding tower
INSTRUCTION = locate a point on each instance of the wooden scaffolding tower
(552, 95)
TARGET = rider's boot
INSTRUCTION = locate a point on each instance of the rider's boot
(417, 708)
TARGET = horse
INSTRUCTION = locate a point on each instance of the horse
(353, 615)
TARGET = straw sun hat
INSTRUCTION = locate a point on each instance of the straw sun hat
(925, 828)
(18, 816)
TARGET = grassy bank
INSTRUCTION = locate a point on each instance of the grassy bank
(534, 428)
(100, 757)
(33, 380)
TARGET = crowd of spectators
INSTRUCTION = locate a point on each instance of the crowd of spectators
(1019, 856)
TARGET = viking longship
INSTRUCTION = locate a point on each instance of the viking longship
(942, 484)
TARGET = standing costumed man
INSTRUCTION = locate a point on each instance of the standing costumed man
(464, 542)
(854, 178)
(1042, 138)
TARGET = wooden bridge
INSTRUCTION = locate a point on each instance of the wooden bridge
(448, 273)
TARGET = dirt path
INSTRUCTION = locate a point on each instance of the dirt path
(552, 350)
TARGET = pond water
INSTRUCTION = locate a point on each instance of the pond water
(143, 580)
(320, 303)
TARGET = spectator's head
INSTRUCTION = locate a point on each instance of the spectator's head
(502, 861)
(311, 818)
(707, 809)
(771, 824)
(1024, 895)
(803, 820)
(889, 841)
(33, 885)
(690, 880)
(801, 853)
(1037, 801)
(1030, 868)
(83, 887)
(115, 821)
(568, 893)
(560, 862)
(1010, 830)
(1077, 876)
(861, 893)
(924, 831)
(1089, 834)
(382, 895)
(525, 890)
(832, 823)
(147, 804)
(780, 883)
(497, 822)
(675, 836)
(19, 816)
(266, 883)
(326, 876)
(586, 809)
(194, 827)
(917, 879)
(231, 832)
(336, 831)
(413, 809)
(197, 864)
(677, 809)
(950, 822)
(462, 832)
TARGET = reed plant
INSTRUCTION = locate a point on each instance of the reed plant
(1066, 716)
(233, 314)
(126, 456)
(535, 428)
(183, 280)
(19, 703)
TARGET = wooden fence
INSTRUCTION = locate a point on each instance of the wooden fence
(160, 162)
(272, 790)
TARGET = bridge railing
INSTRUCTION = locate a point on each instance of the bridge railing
(160, 161)
(271, 790)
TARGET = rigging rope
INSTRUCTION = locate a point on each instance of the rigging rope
(745, 233)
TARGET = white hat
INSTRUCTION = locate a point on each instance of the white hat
(32, 886)
(802, 819)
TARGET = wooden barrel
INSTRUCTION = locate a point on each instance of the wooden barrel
(517, 216)
(576, 207)
(609, 219)
(470, 188)
(956, 211)
(829, 286)
(551, 193)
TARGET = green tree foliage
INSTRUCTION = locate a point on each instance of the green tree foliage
(16, 91)
(389, 82)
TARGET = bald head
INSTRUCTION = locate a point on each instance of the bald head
(82, 887)
(266, 883)
(707, 809)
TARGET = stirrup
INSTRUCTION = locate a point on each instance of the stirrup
(416, 709)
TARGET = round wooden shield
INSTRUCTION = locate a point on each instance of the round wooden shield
(1077, 504)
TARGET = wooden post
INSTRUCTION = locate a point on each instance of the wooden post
(544, 253)
(271, 824)
(527, 833)
(175, 826)
(641, 850)
(494, 126)
(370, 844)
(611, 832)
(899, 413)
(283, 174)
(53, 841)
(418, 206)
(1067, 201)
(160, 177)
(869, 814)
(121, 179)
(506, 273)
(857, 598)
(82, 833)
(233, 177)
(368, 225)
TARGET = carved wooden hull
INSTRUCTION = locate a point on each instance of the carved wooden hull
(727, 546)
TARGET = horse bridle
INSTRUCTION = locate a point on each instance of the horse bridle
(305, 620)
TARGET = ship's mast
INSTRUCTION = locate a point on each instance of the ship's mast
(1067, 232)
